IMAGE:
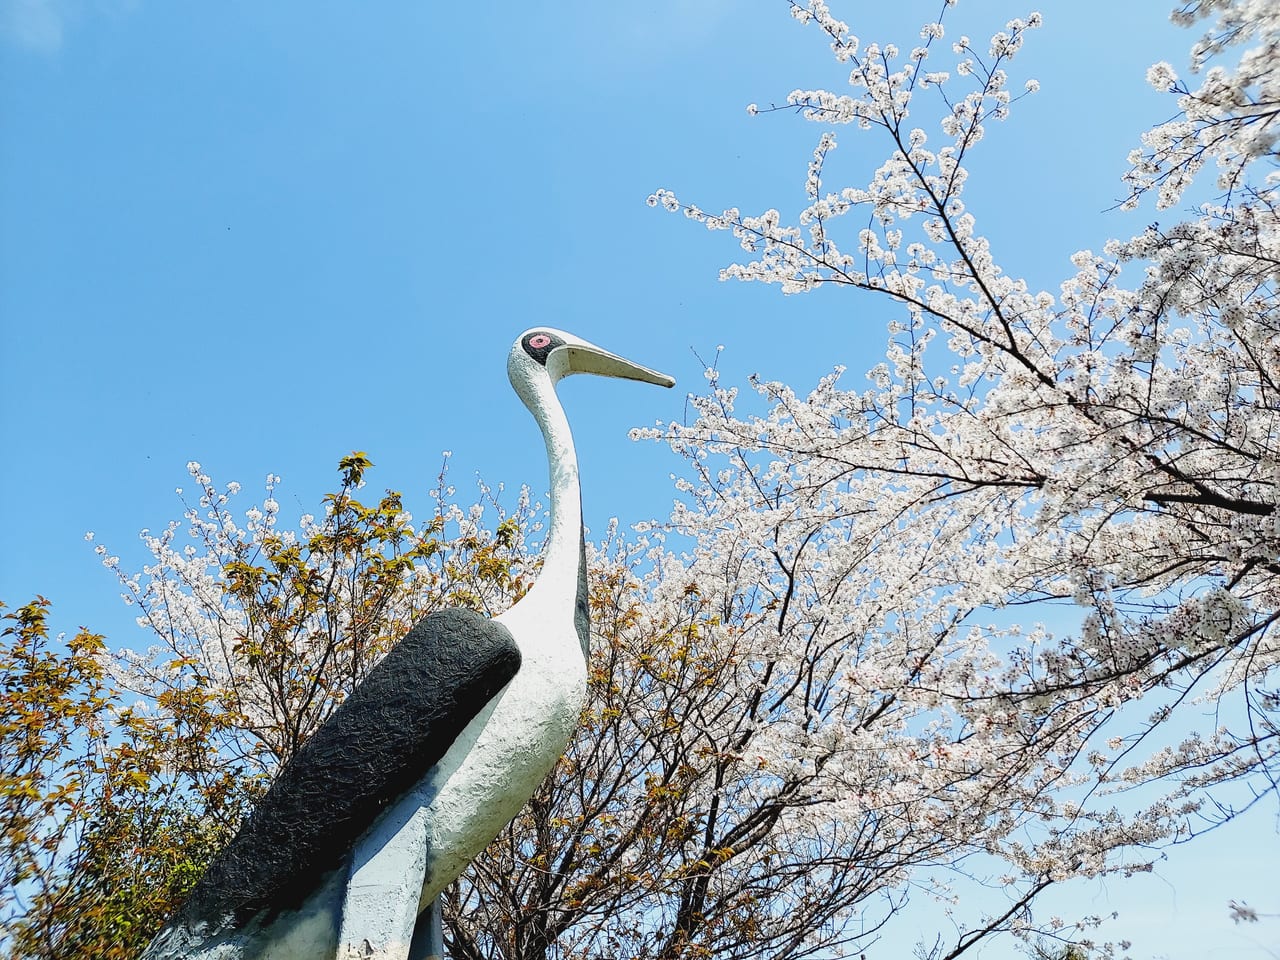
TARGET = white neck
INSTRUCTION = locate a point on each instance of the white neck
(553, 597)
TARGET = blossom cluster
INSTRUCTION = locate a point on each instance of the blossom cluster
(268, 627)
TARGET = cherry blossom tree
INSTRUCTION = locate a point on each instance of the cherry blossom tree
(261, 631)
(1018, 572)
(125, 774)
(665, 831)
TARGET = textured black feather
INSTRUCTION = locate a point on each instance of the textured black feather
(394, 727)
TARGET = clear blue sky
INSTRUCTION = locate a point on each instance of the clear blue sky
(261, 235)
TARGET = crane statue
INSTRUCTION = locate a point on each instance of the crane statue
(431, 755)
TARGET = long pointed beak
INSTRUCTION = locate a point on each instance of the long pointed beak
(583, 357)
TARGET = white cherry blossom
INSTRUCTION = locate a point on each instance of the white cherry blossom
(1103, 458)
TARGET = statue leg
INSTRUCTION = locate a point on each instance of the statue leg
(380, 906)
(428, 936)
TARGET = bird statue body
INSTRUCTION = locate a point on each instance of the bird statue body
(427, 760)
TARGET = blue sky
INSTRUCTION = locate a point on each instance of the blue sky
(263, 235)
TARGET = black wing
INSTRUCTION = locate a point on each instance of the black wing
(394, 727)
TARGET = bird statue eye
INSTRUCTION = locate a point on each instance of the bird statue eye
(540, 344)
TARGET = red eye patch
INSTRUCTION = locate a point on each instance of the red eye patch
(539, 340)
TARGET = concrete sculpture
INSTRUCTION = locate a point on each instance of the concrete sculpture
(430, 756)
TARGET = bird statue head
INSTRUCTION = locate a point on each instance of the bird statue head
(544, 354)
